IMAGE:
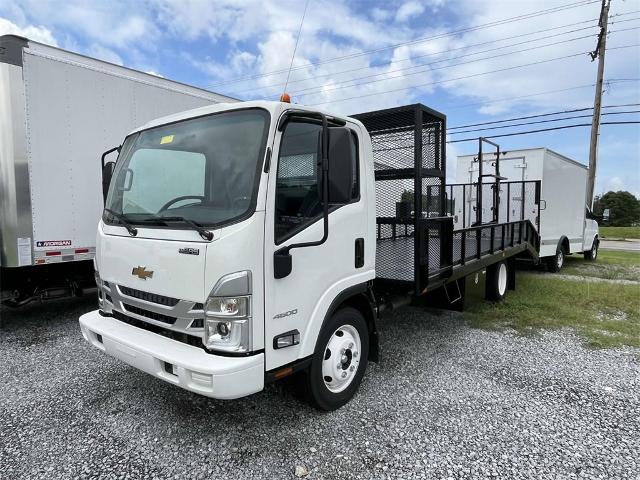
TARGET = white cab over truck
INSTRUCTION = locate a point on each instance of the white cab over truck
(566, 225)
(244, 242)
(58, 111)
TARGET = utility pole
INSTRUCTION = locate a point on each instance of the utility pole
(597, 103)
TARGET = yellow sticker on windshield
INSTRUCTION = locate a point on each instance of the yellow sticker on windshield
(166, 139)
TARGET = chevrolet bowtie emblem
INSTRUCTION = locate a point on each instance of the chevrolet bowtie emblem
(142, 272)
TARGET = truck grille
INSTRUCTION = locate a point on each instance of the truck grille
(152, 315)
(149, 297)
(178, 336)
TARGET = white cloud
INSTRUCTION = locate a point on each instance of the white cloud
(104, 53)
(409, 10)
(32, 32)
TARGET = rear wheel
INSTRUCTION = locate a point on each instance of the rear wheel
(497, 279)
(340, 360)
(555, 263)
(593, 253)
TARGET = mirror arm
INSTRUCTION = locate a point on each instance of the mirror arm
(282, 257)
(104, 155)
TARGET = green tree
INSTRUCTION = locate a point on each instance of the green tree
(624, 208)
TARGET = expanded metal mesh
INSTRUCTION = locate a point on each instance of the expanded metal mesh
(409, 165)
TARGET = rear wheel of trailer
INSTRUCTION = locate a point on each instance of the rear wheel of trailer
(339, 361)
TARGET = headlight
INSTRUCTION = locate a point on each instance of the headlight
(227, 314)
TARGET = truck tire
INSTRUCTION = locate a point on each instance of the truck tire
(555, 263)
(593, 253)
(339, 361)
(497, 281)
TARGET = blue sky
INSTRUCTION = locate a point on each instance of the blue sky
(384, 53)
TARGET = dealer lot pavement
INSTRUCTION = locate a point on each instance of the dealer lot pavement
(445, 401)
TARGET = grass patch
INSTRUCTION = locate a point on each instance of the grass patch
(611, 265)
(622, 233)
(606, 314)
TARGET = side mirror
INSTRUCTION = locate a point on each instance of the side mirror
(282, 263)
(107, 173)
(341, 153)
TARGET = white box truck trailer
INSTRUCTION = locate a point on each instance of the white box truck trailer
(58, 112)
(565, 224)
(242, 243)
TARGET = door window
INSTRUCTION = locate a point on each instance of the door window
(298, 196)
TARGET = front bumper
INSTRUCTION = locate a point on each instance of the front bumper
(195, 370)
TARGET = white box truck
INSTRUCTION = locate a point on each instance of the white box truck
(244, 242)
(565, 224)
(58, 112)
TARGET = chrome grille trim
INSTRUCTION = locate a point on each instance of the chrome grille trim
(177, 318)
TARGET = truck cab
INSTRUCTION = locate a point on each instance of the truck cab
(237, 246)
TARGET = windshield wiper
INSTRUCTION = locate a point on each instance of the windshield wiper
(204, 233)
(133, 231)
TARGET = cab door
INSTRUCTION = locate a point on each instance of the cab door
(294, 215)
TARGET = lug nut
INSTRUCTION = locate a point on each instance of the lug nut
(352, 368)
(355, 354)
(350, 345)
(344, 374)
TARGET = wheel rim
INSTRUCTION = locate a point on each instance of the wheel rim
(594, 250)
(559, 259)
(502, 279)
(341, 358)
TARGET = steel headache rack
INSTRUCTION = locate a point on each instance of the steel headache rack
(430, 233)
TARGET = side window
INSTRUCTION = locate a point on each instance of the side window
(298, 195)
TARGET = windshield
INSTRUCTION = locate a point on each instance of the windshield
(205, 170)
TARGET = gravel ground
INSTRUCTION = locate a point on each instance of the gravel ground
(446, 401)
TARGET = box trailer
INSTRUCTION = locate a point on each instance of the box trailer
(565, 224)
(58, 112)
(275, 252)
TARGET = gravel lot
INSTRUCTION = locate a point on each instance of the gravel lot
(445, 402)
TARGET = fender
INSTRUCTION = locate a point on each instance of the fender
(361, 297)
(564, 242)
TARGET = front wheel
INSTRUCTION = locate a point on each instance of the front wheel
(593, 253)
(340, 360)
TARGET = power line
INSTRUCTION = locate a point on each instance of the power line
(296, 45)
(491, 57)
(527, 16)
(466, 76)
(519, 97)
(507, 99)
(475, 139)
(465, 47)
(561, 112)
(318, 90)
(540, 121)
